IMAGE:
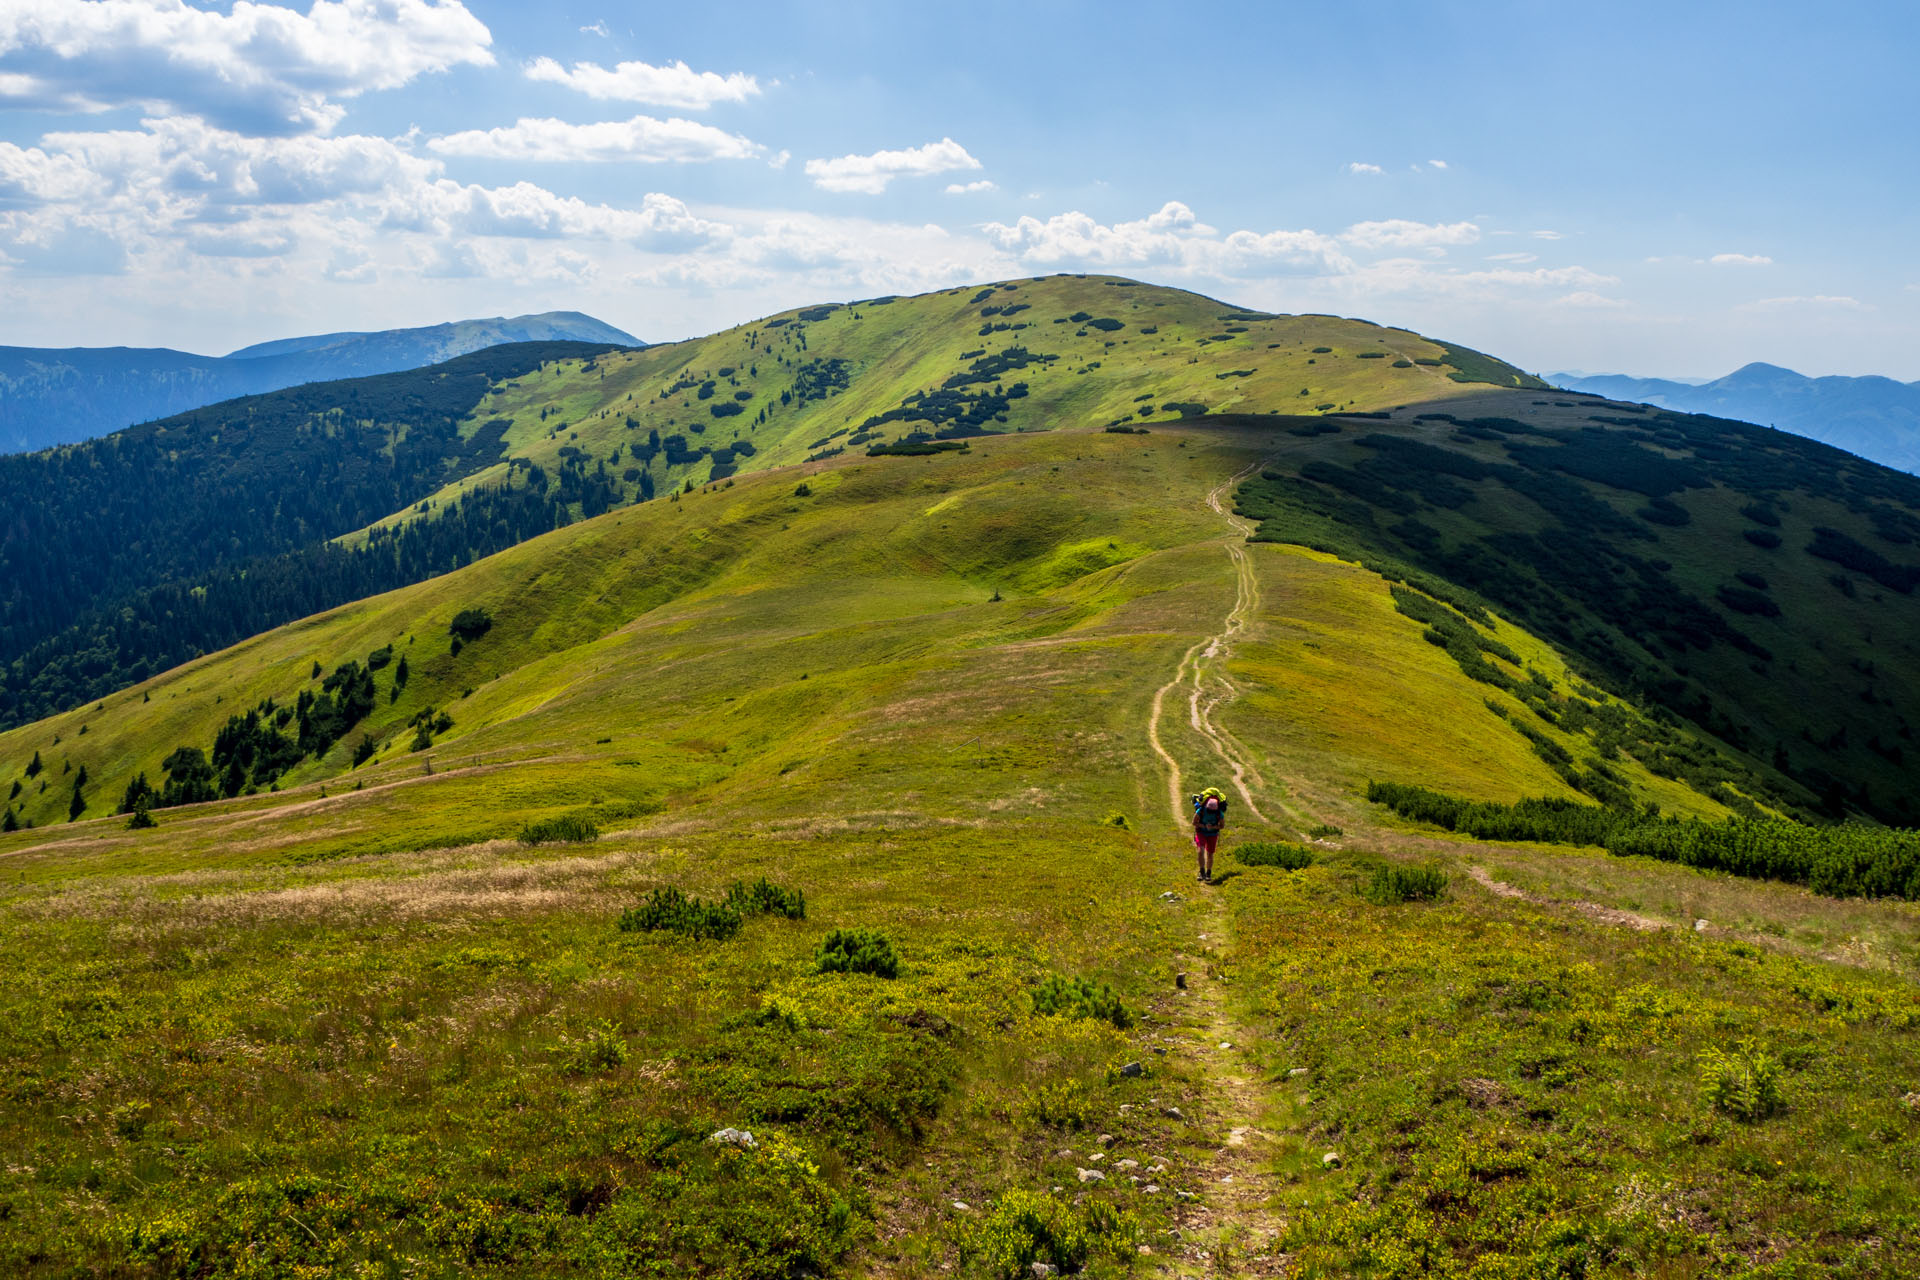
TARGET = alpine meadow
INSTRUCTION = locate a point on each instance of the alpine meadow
(722, 808)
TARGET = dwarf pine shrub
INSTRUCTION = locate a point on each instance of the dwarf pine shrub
(1391, 885)
(567, 829)
(857, 951)
(667, 910)
(765, 898)
(1079, 998)
(1744, 1083)
(1274, 853)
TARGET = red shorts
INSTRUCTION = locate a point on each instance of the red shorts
(1201, 840)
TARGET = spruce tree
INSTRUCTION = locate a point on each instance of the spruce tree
(79, 805)
(33, 768)
(9, 823)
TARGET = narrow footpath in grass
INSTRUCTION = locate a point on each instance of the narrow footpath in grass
(1230, 1227)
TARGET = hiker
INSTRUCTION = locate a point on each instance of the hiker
(1209, 816)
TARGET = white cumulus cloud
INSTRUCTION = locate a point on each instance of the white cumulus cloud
(256, 68)
(642, 139)
(673, 85)
(869, 175)
(1740, 260)
(968, 188)
(1359, 167)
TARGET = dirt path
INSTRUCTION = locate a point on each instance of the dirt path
(1230, 1229)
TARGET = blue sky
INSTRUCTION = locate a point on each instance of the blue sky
(1670, 189)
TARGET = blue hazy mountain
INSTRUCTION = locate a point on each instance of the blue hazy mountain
(56, 396)
(1877, 418)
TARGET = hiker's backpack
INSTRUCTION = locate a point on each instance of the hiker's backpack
(1209, 821)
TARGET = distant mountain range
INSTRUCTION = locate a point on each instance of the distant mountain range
(1876, 418)
(54, 396)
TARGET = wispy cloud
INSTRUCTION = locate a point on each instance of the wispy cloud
(674, 85)
(1360, 167)
(642, 139)
(1740, 260)
(1839, 302)
(1548, 235)
(1591, 301)
(968, 188)
(1438, 164)
(870, 174)
(1515, 257)
(1400, 233)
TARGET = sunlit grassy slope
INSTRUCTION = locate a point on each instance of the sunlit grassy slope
(754, 642)
(352, 1027)
(1087, 351)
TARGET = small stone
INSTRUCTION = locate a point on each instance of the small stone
(1158, 1168)
(1096, 1157)
(733, 1138)
(1297, 1071)
(1226, 1044)
(1126, 1164)
(1160, 1049)
(960, 1206)
(1064, 1153)
(1701, 926)
(1180, 981)
(1133, 1071)
(1042, 1269)
(1105, 1139)
(1146, 1249)
(1186, 1195)
(1152, 1188)
(1135, 1179)
(1170, 896)
(1331, 1160)
(1172, 1113)
(1091, 1175)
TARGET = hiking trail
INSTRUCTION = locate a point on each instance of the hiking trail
(1230, 1228)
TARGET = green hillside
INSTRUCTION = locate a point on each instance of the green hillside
(466, 928)
(360, 1024)
(181, 537)
(1750, 582)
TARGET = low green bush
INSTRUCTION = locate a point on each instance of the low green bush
(1274, 853)
(857, 951)
(1025, 1228)
(569, 828)
(1079, 998)
(667, 910)
(1391, 885)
